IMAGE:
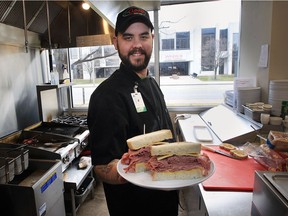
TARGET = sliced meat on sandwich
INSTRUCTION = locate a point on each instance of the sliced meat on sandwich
(178, 161)
(139, 149)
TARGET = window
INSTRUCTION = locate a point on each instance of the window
(223, 39)
(203, 66)
(167, 44)
(235, 53)
(182, 40)
(198, 56)
(74, 54)
(176, 68)
(208, 44)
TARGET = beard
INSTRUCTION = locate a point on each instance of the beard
(139, 64)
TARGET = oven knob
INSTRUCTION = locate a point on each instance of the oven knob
(65, 159)
(83, 145)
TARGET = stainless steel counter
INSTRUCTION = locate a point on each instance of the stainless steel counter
(220, 203)
(74, 178)
(217, 203)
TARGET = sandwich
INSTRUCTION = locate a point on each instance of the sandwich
(148, 139)
(227, 146)
(139, 149)
(236, 153)
(178, 161)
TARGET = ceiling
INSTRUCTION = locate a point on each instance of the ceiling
(59, 23)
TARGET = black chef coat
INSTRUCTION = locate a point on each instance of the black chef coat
(112, 119)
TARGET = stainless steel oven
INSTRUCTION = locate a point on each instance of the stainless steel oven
(77, 133)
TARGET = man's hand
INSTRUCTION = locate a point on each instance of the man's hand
(108, 173)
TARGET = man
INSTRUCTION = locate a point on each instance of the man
(114, 116)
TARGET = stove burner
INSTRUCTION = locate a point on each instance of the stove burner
(72, 120)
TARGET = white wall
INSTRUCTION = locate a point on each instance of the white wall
(255, 31)
(279, 41)
(264, 22)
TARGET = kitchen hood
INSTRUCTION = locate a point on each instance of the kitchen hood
(61, 23)
(58, 23)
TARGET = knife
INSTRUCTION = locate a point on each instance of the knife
(204, 147)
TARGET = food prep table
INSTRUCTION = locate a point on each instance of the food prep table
(217, 203)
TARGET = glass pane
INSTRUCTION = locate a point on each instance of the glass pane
(59, 61)
(89, 67)
(201, 67)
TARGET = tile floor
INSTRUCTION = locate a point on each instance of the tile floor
(97, 205)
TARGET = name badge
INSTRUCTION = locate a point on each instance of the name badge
(138, 102)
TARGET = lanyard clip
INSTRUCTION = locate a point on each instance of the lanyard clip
(135, 87)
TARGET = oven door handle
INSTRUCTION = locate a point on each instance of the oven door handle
(56, 144)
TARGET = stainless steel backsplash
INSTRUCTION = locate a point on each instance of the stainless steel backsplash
(19, 73)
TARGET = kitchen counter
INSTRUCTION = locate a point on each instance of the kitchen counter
(217, 203)
(224, 203)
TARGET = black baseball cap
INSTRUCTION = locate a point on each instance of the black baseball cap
(131, 15)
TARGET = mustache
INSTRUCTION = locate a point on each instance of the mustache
(137, 50)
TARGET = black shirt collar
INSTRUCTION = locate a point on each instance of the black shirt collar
(131, 73)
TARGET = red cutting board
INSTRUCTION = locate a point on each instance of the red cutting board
(231, 174)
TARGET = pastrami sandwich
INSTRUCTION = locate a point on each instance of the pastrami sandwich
(139, 149)
(178, 161)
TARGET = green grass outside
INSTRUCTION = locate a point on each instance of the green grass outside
(218, 78)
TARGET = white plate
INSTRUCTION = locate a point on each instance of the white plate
(144, 179)
(202, 133)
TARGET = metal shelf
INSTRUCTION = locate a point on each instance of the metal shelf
(73, 179)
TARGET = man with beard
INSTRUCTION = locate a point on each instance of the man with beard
(128, 103)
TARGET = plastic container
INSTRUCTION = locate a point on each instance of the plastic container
(54, 78)
(65, 74)
(254, 114)
(275, 120)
